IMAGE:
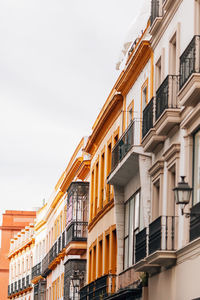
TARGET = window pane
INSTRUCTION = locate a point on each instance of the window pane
(197, 168)
(126, 253)
(137, 210)
(126, 219)
(131, 232)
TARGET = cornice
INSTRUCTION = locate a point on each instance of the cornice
(22, 247)
(157, 168)
(171, 152)
(135, 66)
(101, 214)
(39, 225)
(109, 115)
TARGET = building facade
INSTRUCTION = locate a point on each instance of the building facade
(13, 221)
(61, 233)
(21, 262)
(135, 242)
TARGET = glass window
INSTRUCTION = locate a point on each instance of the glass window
(131, 227)
(196, 198)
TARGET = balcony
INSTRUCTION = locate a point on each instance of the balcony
(164, 110)
(76, 238)
(190, 74)
(167, 110)
(99, 289)
(160, 251)
(125, 155)
(195, 222)
(36, 273)
(155, 16)
(45, 266)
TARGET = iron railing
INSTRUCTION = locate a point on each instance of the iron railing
(16, 288)
(154, 10)
(161, 234)
(45, 264)
(195, 222)
(166, 95)
(190, 60)
(129, 138)
(63, 239)
(147, 121)
(53, 252)
(36, 270)
(77, 231)
(99, 289)
(141, 245)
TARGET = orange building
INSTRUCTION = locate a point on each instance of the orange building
(12, 222)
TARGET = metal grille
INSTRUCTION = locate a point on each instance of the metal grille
(147, 121)
(189, 60)
(166, 95)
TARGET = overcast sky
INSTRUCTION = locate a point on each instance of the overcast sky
(57, 67)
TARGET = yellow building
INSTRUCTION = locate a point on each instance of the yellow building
(61, 233)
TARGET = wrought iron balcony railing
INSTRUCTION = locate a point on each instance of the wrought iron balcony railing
(189, 60)
(36, 270)
(147, 120)
(99, 289)
(77, 231)
(195, 222)
(166, 95)
(161, 234)
(141, 245)
(154, 10)
(45, 264)
(129, 138)
(53, 252)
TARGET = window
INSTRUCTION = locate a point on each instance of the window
(107, 254)
(156, 200)
(100, 259)
(102, 180)
(173, 56)
(130, 111)
(196, 169)
(132, 224)
(158, 73)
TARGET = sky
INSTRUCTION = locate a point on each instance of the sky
(57, 67)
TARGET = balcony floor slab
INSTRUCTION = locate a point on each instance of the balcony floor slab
(151, 140)
(190, 93)
(144, 266)
(126, 168)
(162, 258)
(167, 121)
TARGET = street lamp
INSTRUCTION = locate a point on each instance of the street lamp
(182, 193)
(76, 279)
